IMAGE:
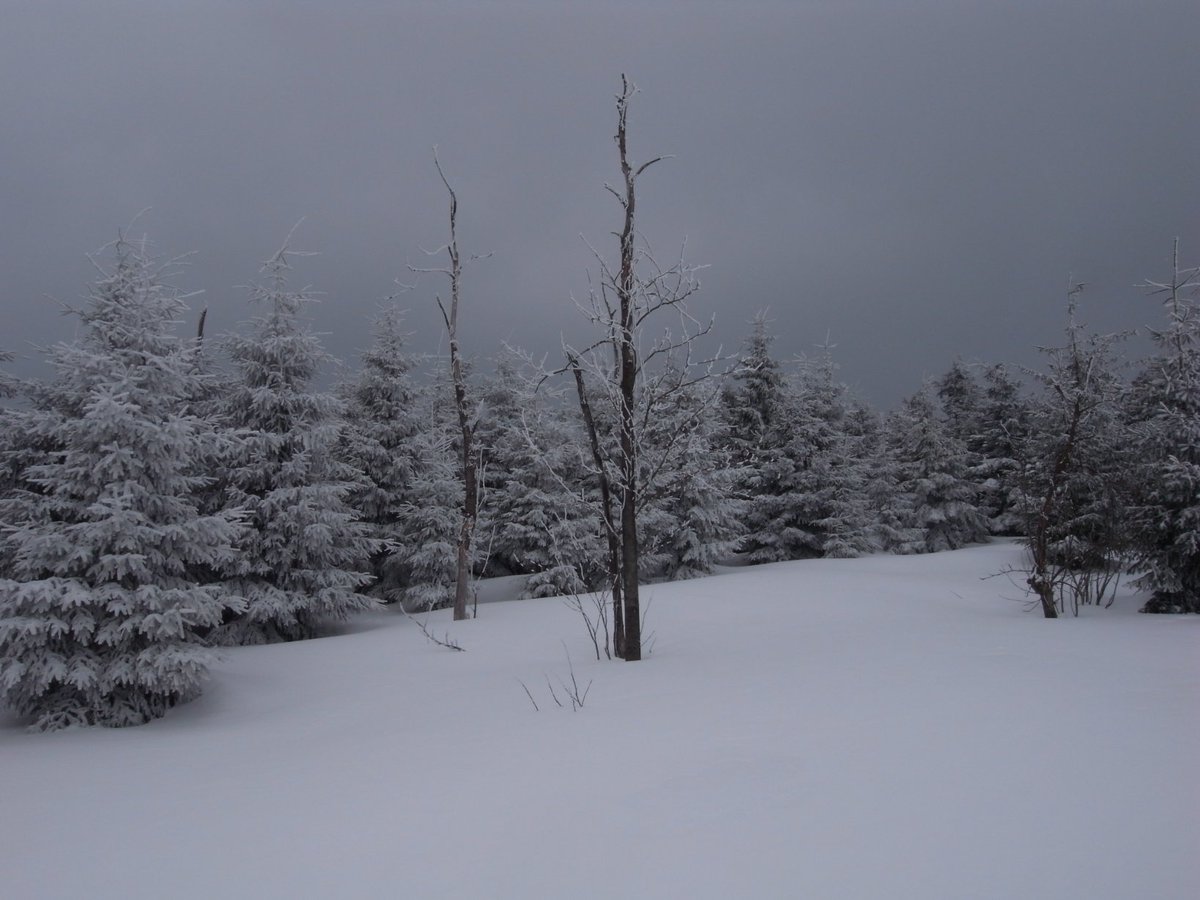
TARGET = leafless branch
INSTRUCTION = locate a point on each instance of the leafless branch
(445, 641)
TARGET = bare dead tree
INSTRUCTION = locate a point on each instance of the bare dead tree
(632, 374)
(469, 462)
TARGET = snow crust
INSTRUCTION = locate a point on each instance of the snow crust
(877, 727)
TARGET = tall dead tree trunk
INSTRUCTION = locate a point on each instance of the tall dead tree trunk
(607, 523)
(620, 363)
(628, 363)
(469, 466)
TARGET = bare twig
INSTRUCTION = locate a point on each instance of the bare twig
(445, 641)
(529, 695)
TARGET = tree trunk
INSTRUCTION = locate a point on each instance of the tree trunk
(628, 377)
(606, 516)
(466, 531)
(470, 509)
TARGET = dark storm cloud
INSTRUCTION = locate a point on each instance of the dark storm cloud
(915, 179)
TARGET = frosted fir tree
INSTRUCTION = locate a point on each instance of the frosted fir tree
(937, 501)
(579, 545)
(23, 444)
(1166, 412)
(535, 518)
(693, 515)
(960, 398)
(102, 619)
(886, 516)
(989, 420)
(512, 524)
(834, 473)
(8, 384)
(800, 470)
(8, 387)
(1001, 429)
(754, 403)
(380, 440)
(425, 556)
(757, 412)
(304, 558)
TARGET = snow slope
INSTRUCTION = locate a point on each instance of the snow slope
(881, 727)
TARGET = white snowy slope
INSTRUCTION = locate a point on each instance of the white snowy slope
(881, 727)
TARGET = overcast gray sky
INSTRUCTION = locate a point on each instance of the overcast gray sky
(916, 179)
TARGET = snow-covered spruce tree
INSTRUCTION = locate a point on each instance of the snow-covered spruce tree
(887, 528)
(22, 445)
(1166, 413)
(8, 387)
(799, 468)
(535, 519)
(8, 384)
(101, 621)
(834, 472)
(426, 555)
(305, 555)
(757, 413)
(380, 440)
(514, 534)
(960, 398)
(754, 402)
(692, 515)
(987, 419)
(1073, 484)
(936, 500)
(1001, 428)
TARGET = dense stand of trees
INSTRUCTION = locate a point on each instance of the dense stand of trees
(161, 496)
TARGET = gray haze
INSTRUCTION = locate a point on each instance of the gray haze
(916, 180)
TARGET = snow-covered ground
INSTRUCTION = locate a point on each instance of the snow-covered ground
(882, 727)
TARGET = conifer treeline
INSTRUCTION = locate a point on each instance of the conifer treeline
(161, 497)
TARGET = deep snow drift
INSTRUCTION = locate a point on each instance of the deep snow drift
(881, 727)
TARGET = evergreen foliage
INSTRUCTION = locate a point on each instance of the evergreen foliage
(1002, 428)
(834, 475)
(8, 384)
(1166, 413)
(381, 439)
(302, 561)
(960, 400)
(802, 471)
(9, 467)
(426, 555)
(423, 561)
(758, 411)
(535, 518)
(754, 404)
(102, 619)
(937, 503)
(692, 515)
(886, 528)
